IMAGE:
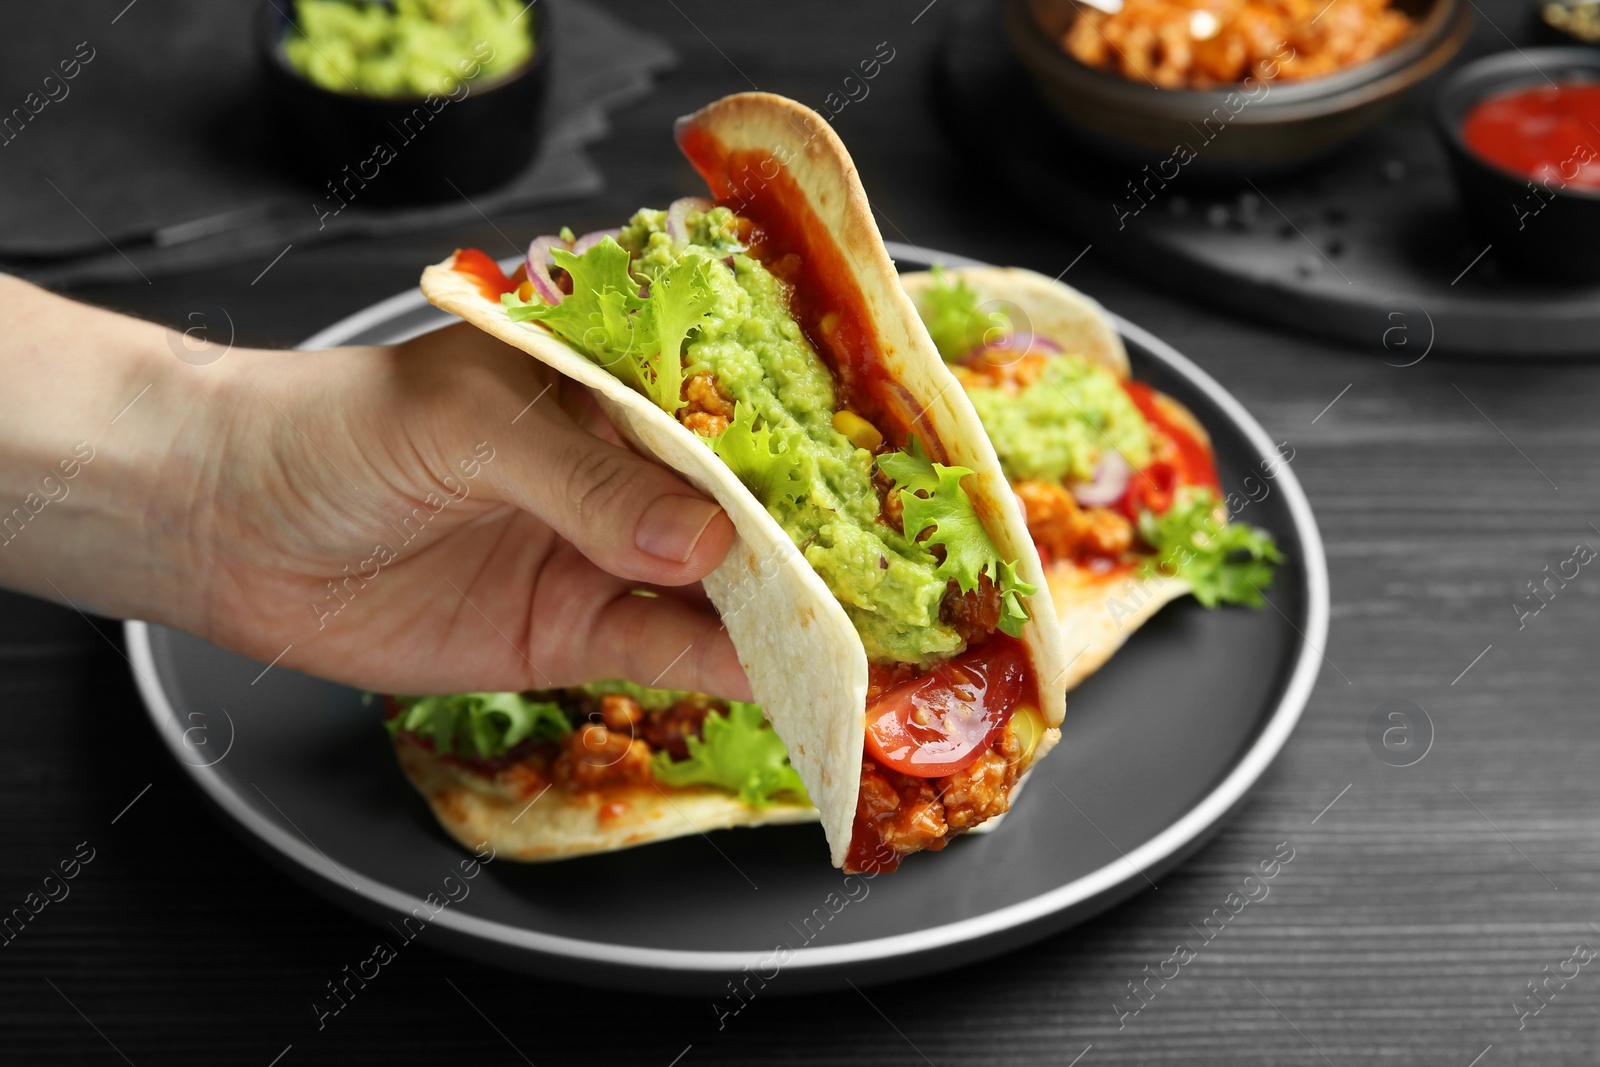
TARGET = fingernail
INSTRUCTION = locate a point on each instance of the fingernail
(673, 525)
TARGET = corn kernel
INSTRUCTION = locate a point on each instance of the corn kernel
(861, 433)
(1028, 727)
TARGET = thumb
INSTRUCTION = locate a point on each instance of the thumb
(629, 515)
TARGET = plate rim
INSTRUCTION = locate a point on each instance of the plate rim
(1190, 828)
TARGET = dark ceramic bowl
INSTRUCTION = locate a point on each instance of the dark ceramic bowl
(437, 148)
(1536, 229)
(1287, 124)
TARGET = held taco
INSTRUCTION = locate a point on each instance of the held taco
(1118, 482)
(883, 592)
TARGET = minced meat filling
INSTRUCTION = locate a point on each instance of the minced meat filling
(915, 814)
(1065, 530)
(973, 614)
(707, 407)
(612, 744)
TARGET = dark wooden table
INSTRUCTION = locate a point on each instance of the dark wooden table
(1421, 901)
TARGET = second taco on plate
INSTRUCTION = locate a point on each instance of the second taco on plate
(1117, 481)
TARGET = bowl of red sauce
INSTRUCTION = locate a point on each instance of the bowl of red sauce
(1523, 134)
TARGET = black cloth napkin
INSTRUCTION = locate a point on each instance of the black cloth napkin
(154, 157)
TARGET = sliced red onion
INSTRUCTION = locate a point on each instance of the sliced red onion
(1010, 348)
(1109, 483)
(539, 268)
(589, 240)
(678, 217)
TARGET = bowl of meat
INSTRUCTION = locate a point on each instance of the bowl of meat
(1228, 86)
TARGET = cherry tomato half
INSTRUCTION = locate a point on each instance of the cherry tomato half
(943, 721)
(1189, 463)
(484, 272)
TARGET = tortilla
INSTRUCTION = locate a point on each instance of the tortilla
(1041, 307)
(1097, 612)
(806, 663)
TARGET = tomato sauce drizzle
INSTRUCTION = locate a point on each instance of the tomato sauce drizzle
(868, 853)
(792, 242)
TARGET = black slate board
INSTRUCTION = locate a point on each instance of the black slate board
(1368, 246)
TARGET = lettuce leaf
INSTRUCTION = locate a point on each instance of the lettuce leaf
(931, 497)
(912, 470)
(1225, 563)
(597, 317)
(1012, 589)
(479, 724)
(638, 339)
(680, 300)
(739, 753)
(950, 312)
(767, 467)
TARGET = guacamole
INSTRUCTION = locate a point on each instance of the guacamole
(407, 48)
(1056, 428)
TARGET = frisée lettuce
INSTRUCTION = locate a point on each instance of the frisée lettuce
(932, 500)
(479, 724)
(1223, 562)
(738, 752)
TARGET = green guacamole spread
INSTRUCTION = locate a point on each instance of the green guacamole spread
(1056, 428)
(407, 48)
(758, 354)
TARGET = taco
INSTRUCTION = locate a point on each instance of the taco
(883, 592)
(1118, 482)
(594, 768)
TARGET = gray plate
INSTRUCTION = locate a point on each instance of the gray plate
(1158, 749)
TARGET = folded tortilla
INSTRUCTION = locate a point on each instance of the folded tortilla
(807, 665)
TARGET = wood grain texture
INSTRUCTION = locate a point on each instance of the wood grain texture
(1414, 911)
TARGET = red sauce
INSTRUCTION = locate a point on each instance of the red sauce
(484, 272)
(792, 242)
(868, 854)
(1548, 133)
(1152, 488)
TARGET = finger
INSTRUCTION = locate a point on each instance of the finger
(629, 515)
(665, 645)
(579, 403)
(693, 595)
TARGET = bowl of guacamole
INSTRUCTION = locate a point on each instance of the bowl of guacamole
(382, 102)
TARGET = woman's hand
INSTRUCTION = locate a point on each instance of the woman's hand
(442, 515)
